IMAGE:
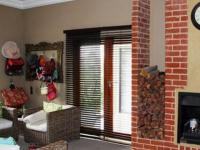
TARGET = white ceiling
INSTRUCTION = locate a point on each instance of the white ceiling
(25, 4)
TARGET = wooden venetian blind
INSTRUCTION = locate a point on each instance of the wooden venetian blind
(84, 78)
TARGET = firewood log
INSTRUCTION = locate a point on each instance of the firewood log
(151, 103)
(148, 71)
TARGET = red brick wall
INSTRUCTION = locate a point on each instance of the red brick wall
(140, 58)
(176, 29)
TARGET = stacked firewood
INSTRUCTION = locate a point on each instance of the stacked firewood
(151, 103)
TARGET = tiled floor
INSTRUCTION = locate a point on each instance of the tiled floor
(85, 144)
(90, 144)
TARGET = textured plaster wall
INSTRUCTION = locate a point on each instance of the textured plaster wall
(194, 53)
(157, 33)
(11, 28)
(47, 24)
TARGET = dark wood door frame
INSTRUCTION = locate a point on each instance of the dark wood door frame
(108, 87)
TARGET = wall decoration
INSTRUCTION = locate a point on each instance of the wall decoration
(14, 62)
(44, 62)
(195, 16)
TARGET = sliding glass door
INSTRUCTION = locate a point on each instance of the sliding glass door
(117, 88)
(98, 80)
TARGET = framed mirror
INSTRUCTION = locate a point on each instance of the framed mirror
(42, 55)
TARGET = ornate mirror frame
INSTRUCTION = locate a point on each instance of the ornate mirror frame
(46, 48)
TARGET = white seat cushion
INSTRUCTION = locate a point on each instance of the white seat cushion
(38, 126)
(9, 147)
(66, 106)
(5, 124)
(35, 117)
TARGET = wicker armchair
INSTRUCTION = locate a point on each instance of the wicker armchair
(61, 125)
(11, 115)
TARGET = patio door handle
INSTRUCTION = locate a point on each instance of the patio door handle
(109, 84)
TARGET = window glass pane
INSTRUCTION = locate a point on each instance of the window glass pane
(122, 88)
(91, 89)
(125, 78)
(122, 76)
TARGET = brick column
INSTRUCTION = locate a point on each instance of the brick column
(140, 56)
(176, 29)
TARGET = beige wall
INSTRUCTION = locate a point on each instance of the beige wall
(47, 24)
(11, 28)
(194, 52)
(157, 34)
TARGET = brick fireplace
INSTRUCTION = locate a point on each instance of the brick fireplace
(176, 68)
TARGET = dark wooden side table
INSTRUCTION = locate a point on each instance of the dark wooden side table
(59, 145)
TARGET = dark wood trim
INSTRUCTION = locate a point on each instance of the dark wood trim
(97, 132)
(44, 46)
(97, 29)
(108, 87)
(92, 131)
(121, 136)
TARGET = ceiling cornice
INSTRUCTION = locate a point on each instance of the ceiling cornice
(30, 3)
(12, 3)
(37, 3)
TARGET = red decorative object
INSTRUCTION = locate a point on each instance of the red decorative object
(14, 66)
(52, 94)
(32, 147)
(16, 62)
(14, 97)
(49, 67)
(42, 60)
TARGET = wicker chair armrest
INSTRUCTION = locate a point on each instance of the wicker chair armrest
(9, 113)
(55, 113)
(56, 124)
(31, 111)
(56, 118)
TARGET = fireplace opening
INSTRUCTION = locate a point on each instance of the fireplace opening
(188, 118)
